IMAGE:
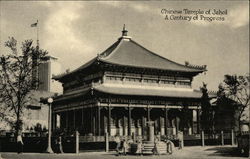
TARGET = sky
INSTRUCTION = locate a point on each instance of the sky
(75, 32)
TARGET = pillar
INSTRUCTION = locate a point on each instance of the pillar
(67, 120)
(192, 123)
(166, 121)
(109, 119)
(82, 119)
(222, 138)
(162, 125)
(148, 114)
(74, 118)
(124, 126)
(91, 120)
(129, 121)
(94, 121)
(198, 120)
(77, 142)
(151, 131)
(232, 137)
(142, 125)
(99, 121)
(202, 138)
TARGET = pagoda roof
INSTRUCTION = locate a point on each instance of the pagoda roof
(133, 91)
(127, 52)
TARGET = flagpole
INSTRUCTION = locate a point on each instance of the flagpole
(37, 35)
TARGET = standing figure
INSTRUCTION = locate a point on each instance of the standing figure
(170, 146)
(180, 138)
(59, 142)
(19, 142)
(118, 144)
(156, 147)
(125, 147)
(139, 148)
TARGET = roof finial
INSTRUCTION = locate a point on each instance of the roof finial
(124, 31)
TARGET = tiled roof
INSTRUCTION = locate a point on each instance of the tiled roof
(130, 53)
(126, 52)
(148, 92)
(72, 94)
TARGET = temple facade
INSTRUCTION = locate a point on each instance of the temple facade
(123, 88)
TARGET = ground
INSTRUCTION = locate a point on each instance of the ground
(195, 152)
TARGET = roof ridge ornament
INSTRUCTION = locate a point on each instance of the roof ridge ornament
(202, 67)
(124, 31)
(125, 34)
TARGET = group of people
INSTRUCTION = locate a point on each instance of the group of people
(19, 139)
(169, 145)
(122, 145)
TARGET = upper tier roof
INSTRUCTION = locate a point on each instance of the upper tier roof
(129, 53)
(126, 52)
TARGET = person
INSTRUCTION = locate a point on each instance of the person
(156, 145)
(118, 144)
(19, 142)
(125, 147)
(170, 146)
(180, 138)
(59, 144)
(139, 148)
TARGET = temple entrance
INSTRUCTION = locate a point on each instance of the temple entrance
(174, 116)
(157, 116)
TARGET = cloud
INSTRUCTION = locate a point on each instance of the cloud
(236, 17)
(62, 37)
(138, 7)
(239, 16)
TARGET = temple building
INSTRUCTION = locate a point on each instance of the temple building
(123, 88)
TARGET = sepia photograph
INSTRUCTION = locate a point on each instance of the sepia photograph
(124, 79)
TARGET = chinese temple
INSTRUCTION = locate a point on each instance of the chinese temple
(123, 88)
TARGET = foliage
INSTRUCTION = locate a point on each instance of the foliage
(236, 88)
(17, 79)
(206, 110)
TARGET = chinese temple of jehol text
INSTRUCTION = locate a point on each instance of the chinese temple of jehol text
(123, 88)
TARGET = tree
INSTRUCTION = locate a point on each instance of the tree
(237, 89)
(18, 78)
(206, 110)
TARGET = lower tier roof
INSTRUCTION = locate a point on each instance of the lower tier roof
(149, 92)
(129, 91)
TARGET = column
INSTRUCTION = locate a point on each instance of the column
(94, 121)
(192, 122)
(82, 118)
(99, 121)
(148, 115)
(198, 121)
(129, 121)
(74, 118)
(166, 121)
(91, 120)
(162, 125)
(124, 125)
(67, 120)
(142, 126)
(109, 119)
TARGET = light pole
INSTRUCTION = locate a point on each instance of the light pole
(49, 150)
